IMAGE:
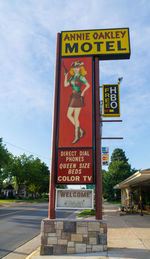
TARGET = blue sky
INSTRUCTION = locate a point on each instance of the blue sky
(28, 32)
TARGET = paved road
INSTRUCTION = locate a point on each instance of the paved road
(21, 223)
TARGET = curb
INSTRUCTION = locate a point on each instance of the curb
(33, 253)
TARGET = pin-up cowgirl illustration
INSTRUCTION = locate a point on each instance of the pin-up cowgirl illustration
(76, 81)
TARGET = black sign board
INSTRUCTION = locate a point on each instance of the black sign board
(111, 100)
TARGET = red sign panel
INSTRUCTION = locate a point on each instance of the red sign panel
(75, 112)
(75, 166)
(75, 132)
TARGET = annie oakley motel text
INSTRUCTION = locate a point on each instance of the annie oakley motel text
(105, 41)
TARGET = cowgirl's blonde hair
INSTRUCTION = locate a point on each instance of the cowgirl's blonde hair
(83, 72)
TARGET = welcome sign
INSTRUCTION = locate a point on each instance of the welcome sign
(74, 199)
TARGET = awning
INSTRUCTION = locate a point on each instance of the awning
(141, 177)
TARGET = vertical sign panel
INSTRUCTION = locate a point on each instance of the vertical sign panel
(75, 131)
(105, 156)
(75, 111)
(111, 100)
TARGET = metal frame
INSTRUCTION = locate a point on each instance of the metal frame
(93, 126)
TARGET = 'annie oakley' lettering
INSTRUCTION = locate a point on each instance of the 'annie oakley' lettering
(96, 35)
(75, 166)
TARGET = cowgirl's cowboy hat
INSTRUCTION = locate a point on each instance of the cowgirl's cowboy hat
(77, 63)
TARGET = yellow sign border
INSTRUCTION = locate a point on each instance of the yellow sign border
(105, 43)
(111, 115)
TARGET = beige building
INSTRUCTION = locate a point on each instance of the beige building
(135, 190)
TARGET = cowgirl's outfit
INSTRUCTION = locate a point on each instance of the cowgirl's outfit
(76, 100)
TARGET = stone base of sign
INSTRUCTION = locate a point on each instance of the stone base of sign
(71, 236)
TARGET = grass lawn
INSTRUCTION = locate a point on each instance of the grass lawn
(89, 212)
(3, 201)
(86, 213)
(22, 200)
(114, 202)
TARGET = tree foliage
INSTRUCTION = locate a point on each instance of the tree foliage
(4, 159)
(119, 169)
(25, 172)
(119, 155)
(30, 174)
(39, 179)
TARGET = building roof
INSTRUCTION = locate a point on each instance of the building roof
(141, 177)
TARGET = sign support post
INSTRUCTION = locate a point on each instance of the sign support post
(51, 212)
(98, 184)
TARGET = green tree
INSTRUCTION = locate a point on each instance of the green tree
(38, 182)
(119, 155)
(119, 169)
(20, 168)
(29, 174)
(104, 183)
(4, 159)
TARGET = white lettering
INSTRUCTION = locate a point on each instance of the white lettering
(113, 97)
(113, 89)
(84, 153)
(74, 171)
(113, 105)
(68, 178)
(84, 165)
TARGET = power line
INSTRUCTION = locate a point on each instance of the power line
(6, 142)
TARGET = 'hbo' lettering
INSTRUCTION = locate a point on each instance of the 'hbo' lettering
(113, 105)
(113, 97)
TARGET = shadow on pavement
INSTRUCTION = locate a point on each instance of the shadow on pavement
(5, 252)
(128, 253)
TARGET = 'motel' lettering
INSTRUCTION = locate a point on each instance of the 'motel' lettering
(88, 47)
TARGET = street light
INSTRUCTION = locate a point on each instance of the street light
(119, 80)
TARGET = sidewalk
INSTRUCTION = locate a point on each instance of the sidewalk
(128, 237)
(23, 251)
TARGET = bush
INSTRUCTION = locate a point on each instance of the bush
(45, 196)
